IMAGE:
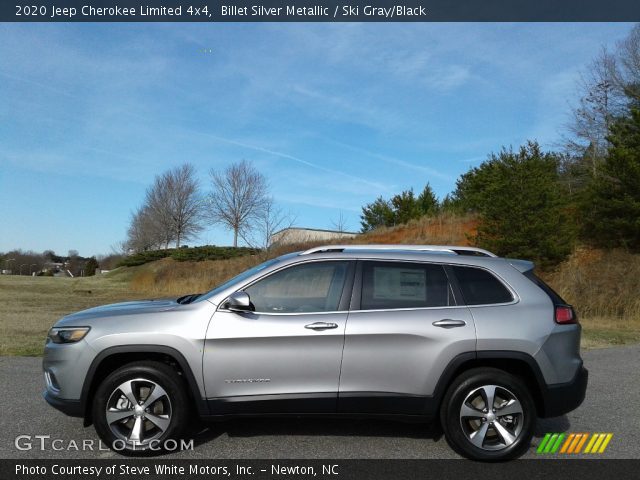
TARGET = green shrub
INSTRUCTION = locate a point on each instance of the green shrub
(187, 254)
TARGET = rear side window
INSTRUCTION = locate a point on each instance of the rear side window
(390, 285)
(480, 287)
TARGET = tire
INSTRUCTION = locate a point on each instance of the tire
(472, 431)
(161, 413)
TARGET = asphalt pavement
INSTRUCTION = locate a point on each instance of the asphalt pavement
(612, 405)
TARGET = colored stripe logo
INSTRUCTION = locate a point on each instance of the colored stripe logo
(573, 443)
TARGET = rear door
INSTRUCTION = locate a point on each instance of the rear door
(405, 326)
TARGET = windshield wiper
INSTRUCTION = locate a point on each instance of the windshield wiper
(188, 298)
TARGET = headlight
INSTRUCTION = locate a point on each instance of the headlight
(68, 334)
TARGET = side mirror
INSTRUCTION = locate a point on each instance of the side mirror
(239, 302)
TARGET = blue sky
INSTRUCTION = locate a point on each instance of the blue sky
(334, 114)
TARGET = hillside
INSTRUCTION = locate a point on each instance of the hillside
(603, 286)
(168, 277)
(444, 229)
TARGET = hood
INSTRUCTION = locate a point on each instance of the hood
(118, 309)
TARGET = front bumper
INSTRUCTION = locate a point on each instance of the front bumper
(73, 408)
(563, 398)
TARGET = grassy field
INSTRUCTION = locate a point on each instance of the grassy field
(30, 305)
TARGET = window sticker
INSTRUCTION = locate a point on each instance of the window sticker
(399, 284)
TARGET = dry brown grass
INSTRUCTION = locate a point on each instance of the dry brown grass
(168, 277)
(600, 283)
(31, 305)
(603, 286)
(599, 332)
(445, 229)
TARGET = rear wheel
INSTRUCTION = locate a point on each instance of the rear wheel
(488, 414)
(140, 406)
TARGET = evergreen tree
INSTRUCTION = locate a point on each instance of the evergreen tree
(520, 203)
(612, 203)
(450, 204)
(427, 201)
(377, 214)
(90, 267)
(405, 207)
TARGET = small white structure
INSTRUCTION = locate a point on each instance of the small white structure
(292, 235)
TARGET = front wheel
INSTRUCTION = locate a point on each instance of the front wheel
(139, 407)
(488, 414)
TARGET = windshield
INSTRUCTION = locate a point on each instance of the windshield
(237, 279)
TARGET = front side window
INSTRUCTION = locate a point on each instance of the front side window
(310, 287)
(237, 279)
(480, 287)
(390, 285)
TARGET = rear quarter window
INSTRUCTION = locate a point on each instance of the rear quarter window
(551, 293)
(480, 287)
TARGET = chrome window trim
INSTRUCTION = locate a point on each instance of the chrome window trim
(280, 314)
(447, 307)
(516, 297)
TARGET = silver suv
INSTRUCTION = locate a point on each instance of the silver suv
(420, 332)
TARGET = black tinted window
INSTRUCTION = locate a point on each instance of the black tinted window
(555, 298)
(480, 287)
(387, 285)
(311, 287)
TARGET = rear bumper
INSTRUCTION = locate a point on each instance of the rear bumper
(73, 408)
(563, 398)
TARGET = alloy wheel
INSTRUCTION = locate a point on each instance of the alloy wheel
(138, 411)
(491, 417)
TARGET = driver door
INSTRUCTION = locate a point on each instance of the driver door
(285, 355)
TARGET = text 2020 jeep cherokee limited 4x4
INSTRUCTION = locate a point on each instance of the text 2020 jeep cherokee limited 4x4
(423, 332)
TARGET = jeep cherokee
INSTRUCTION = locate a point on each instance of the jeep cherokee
(422, 332)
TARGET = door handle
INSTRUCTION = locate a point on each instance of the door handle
(321, 326)
(448, 323)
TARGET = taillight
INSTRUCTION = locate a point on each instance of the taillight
(565, 315)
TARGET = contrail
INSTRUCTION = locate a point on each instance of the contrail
(257, 148)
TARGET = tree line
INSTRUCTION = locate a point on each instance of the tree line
(21, 262)
(401, 208)
(535, 204)
(175, 209)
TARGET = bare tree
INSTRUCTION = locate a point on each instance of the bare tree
(120, 248)
(173, 209)
(238, 197)
(339, 224)
(73, 263)
(606, 88)
(185, 205)
(625, 65)
(155, 214)
(145, 232)
(269, 220)
(591, 117)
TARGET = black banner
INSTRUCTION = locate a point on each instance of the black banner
(319, 11)
(120, 469)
